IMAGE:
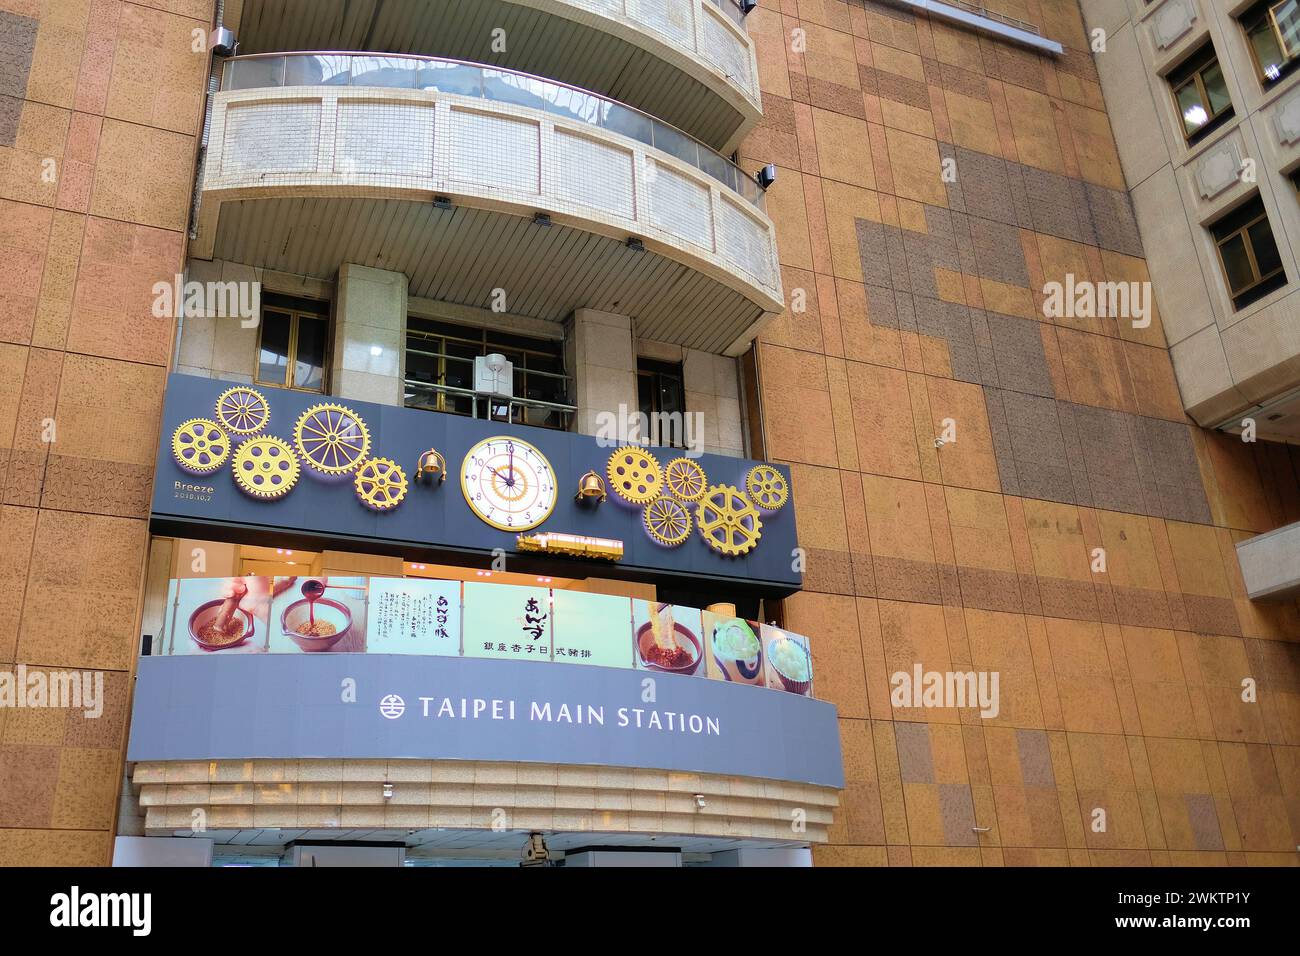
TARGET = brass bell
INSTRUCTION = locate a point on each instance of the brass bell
(591, 486)
(430, 466)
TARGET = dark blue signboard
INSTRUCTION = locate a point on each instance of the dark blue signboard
(254, 706)
(434, 522)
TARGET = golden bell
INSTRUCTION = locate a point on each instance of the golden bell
(591, 485)
(430, 466)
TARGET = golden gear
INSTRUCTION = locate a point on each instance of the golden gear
(243, 411)
(667, 521)
(266, 467)
(767, 487)
(380, 483)
(200, 446)
(332, 439)
(728, 521)
(685, 479)
(634, 475)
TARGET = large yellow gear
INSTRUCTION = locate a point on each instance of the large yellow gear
(243, 410)
(380, 483)
(266, 467)
(332, 439)
(767, 488)
(634, 475)
(685, 479)
(728, 521)
(200, 446)
(667, 521)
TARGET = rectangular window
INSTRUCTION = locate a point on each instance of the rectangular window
(1251, 263)
(293, 343)
(660, 390)
(440, 371)
(1273, 30)
(1201, 94)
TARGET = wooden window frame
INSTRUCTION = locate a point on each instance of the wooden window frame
(296, 314)
(1196, 76)
(1244, 232)
(1292, 57)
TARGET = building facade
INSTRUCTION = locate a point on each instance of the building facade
(532, 222)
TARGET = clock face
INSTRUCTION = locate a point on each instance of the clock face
(508, 483)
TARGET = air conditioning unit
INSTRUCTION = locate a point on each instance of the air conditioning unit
(494, 375)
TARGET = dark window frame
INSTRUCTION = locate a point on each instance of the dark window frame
(655, 374)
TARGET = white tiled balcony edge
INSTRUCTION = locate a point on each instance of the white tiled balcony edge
(411, 144)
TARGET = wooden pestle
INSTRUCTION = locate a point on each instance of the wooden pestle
(237, 591)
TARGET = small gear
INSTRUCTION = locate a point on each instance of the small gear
(667, 521)
(332, 439)
(243, 411)
(634, 475)
(200, 446)
(767, 488)
(380, 483)
(685, 479)
(728, 521)
(265, 467)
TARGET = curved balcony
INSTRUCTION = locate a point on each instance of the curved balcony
(690, 62)
(470, 178)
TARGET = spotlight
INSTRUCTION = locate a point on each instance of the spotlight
(766, 176)
(441, 202)
(541, 219)
(635, 244)
(747, 6)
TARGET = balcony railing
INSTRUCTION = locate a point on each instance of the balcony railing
(275, 71)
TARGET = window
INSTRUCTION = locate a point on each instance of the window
(1273, 29)
(660, 391)
(292, 343)
(1201, 94)
(1251, 262)
(440, 371)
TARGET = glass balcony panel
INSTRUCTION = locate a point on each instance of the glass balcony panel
(390, 72)
(317, 70)
(515, 88)
(677, 144)
(573, 104)
(718, 167)
(458, 78)
(256, 73)
(628, 122)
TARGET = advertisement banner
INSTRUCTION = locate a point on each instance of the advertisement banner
(444, 618)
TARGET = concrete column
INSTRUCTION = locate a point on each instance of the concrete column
(369, 355)
(603, 364)
(712, 386)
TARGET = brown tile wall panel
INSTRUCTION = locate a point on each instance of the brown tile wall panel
(106, 96)
(1120, 688)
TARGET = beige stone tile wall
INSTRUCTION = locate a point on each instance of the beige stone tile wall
(1120, 689)
(99, 108)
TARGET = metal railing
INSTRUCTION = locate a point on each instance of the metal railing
(462, 78)
(515, 409)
